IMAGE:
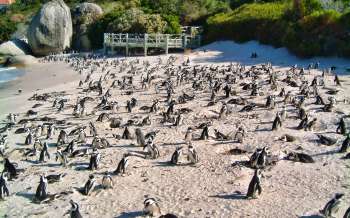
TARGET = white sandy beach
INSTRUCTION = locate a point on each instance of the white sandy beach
(209, 189)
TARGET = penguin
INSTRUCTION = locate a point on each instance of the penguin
(239, 136)
(122, 166)
(326, 140)
(52, 178)
(4, 191)
(205, 133)
(89, 185)
(10, 168)
(178, 120)
(310, 126)
(81, 136)
(62, 157)
(29, 139)
(332, 206)
(347, 213)
(223, 112)
(140, 138)
(175, 157)
(74, 210)
(192, 155)
(107, 181)
(62, 138)
(50, 131)
(262, 158)
(152, 149)
(151, 207)
(126, 134)
(341, 129)
(188, 136)
(93, 130)
(168, 215)
(41, 191)
(254, 185)
(44, 153)
(345, 145)
(277, 122)
(94, 160)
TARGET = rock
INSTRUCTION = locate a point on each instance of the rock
(83, 15)
(14, 47)
(50, 31)
(22, 60)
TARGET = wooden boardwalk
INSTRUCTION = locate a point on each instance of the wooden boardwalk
(145, 41)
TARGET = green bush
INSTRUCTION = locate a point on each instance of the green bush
(7, 27)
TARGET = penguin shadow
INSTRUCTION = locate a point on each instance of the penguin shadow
(50, 165)
(52, 144)
(21, 144)
(171, 144)
(326, 153)
(131, 214)
(235, 196)
(29, 196)
(311, 216)
(223, 142)
(165, 164)
(263, 130)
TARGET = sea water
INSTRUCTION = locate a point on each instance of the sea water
(9, 73)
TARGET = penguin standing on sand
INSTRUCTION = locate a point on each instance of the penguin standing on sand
(151, 207)
(44, 153)
(89, 186)
(332, 206)
(62, 138)
(41, 191)
(107, 181)
(192, 155)
(122, 166)
(4, 191)
(188, 136)
(254, 185)
(176, 155)
(29, 139)
(341, 129)
(345, 145)
(94, 160)
(10, 168)
(205, 133)
(277, 123)
(74, 210)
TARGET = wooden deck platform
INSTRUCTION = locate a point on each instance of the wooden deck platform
(145, 41)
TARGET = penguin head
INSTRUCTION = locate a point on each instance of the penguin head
(338, 195)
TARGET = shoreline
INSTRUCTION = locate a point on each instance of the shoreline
(39, 78)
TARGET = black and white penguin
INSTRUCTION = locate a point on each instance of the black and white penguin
(122, 166)
(254, 185)
(345, 145)
(192, 155)
(332, 206)
(89, 185)
(10, 168)
(41, 191)
(151, 207)
(94, 160)
(44, 153)
(176, 155)
(29, 139)
(107, 181)
(74, 211)
(62, 138)
(4, 191)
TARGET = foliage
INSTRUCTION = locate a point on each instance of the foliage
(7, 27)
(303, 26)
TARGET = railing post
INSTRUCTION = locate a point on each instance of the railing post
(166, 43)
(145, 38)
(127, 45)
(104, 43)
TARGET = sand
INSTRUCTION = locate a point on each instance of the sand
(210, 188)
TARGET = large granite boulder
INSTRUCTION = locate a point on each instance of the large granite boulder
(84, 15)
(14, 47)
(22, 61)
(50, 30)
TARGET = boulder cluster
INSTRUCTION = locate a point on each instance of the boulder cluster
(55, 28)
